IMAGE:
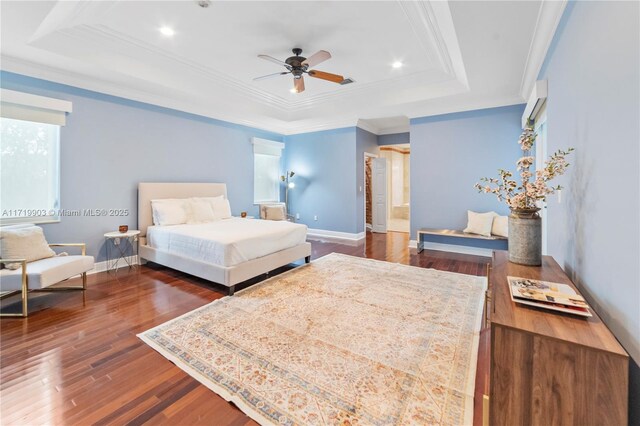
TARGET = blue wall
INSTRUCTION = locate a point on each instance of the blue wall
(449, 153)
(325, 166)
(365, 142)
(594, 106)
(110, 144)
(393, 139)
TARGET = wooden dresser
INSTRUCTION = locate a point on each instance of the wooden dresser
(550, 368)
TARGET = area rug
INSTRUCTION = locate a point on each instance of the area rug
(343, 340)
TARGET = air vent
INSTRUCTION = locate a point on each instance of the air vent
(347, 80)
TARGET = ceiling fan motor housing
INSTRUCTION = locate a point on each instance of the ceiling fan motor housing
(295, 62)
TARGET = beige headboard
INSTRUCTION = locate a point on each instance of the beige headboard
(148, 191)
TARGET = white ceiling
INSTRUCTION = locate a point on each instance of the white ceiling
(456, 55)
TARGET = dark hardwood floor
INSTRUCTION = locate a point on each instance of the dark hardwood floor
(76, 359)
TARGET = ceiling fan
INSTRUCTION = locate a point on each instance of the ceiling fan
(298, 66)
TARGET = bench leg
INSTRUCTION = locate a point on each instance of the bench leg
(307, 259)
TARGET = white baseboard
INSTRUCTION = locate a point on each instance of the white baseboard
(102, 266)
(322, 234)
(413, 244)
(476, 251)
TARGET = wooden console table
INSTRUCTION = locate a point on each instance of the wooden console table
(550, 368)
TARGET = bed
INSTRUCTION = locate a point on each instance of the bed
(227, 251)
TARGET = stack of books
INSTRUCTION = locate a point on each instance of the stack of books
(548, 295)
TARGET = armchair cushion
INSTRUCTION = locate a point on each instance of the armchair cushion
(46, 272)
(23, 243)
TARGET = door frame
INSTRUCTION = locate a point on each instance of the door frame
(364, 187)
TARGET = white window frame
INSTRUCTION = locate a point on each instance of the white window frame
(38, 109)
(540, 127)
(272, 148)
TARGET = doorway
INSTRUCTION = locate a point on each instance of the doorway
(368, 204)
(398, 186)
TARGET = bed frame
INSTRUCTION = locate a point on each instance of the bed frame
(226, 275)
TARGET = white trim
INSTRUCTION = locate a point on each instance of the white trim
(476, 251)
(394, 130)
(536, 101)
(549, 17)
(102, 266)
(283, 126)
(368, 127)
(35, 101)
(267, 147)
(29, 107)
(267, 143)
(315, 234)
(413, 244)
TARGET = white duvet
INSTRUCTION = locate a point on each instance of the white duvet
(227, 242)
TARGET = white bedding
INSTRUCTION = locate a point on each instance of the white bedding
(227, 242)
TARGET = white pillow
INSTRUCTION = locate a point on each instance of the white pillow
(211, 200)
(263, 209)
(274, 212)
(480, 223)
(200, 211)
(220, 206)
(24, 243)
(221, 209)
(169, 211)
(500, 226)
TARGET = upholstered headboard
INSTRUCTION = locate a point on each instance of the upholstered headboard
(148, 191)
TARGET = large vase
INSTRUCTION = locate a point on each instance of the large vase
(525, 237)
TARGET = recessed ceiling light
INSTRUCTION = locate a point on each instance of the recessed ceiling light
(397, 64)
(167, 31)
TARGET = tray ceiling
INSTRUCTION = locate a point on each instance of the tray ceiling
(455, 56)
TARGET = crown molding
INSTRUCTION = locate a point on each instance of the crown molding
(326, 124)
(394, 130)
(364, 125)
(94, 84)
(549, 16)
(103, 35)
(466, 105)
(432, 24)
(218, 112)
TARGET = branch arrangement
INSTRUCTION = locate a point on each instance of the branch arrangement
(530, 192)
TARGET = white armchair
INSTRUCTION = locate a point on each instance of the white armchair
(40, 275)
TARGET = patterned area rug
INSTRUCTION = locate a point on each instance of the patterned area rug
(343, 340)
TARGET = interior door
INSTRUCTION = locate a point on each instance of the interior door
(379, 195)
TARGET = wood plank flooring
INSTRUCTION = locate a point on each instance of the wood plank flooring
(76, 359)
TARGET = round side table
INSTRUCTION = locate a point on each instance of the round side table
(121, 246)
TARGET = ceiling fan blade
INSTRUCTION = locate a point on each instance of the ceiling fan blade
(316, 58)
(326, 76)
(298, 84)
(274, 60)
(264, 77)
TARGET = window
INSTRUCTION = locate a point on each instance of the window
(266, 170)
(29, 157)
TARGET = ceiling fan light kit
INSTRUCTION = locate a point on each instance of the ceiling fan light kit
(298, 66)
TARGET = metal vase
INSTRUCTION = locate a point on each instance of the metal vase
(525, 237)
